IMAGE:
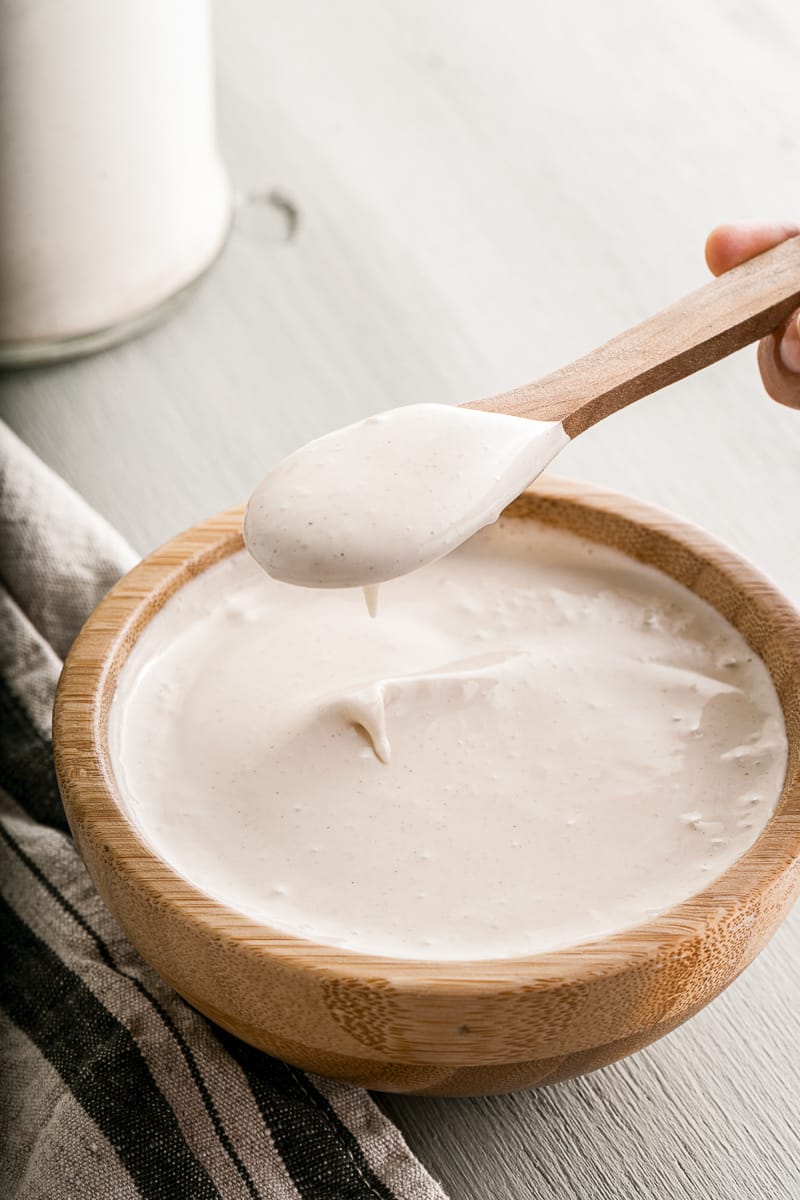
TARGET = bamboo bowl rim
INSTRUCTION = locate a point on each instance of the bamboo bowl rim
(95, 807)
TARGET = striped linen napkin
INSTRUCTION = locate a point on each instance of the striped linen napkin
(112, 1087)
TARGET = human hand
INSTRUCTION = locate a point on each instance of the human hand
(779, 353)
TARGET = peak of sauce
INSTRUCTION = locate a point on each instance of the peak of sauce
(380, 498)
(538, 742)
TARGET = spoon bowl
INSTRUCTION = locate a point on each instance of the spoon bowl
(320, 517)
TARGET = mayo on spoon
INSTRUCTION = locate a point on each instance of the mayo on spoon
(380, 498)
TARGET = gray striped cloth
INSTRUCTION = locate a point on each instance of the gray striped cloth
(112, 1087)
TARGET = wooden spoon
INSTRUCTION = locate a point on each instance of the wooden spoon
(727, 314)
(385, 496)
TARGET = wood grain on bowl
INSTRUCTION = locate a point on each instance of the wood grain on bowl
(437, 1028)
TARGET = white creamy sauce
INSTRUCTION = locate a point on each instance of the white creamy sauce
(536, 742)
(384, 496)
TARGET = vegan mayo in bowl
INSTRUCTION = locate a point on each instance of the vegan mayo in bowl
(538, 741)
(533, 815)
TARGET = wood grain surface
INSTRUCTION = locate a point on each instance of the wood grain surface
(479, 193)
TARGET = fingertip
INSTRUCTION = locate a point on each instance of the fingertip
(729, 245)
(717, 249)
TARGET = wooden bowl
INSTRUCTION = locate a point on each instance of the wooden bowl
(453, 1028)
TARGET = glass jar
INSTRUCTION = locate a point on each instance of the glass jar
(113, 195)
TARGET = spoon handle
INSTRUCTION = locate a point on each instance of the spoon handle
(739, 307)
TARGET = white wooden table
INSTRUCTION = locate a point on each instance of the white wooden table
(485, 190)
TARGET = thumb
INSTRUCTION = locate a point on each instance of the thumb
(779, 362)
